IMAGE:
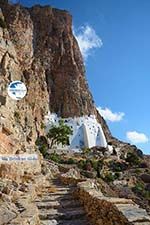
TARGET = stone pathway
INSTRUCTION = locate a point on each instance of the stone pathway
(57, 206)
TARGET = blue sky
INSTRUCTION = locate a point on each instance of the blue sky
(114, 36)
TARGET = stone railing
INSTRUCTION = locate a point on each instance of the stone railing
(106, 210)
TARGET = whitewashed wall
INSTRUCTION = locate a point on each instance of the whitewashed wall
(87, 132)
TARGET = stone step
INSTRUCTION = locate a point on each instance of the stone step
(58, 204)
(48, 198)
(117, 200)
(61, 193)
(134, 213)
(78, 213)
(57, 188)
(57, 183)
(58, 191)
(141, 223)
(48, 205)
(66, 222)
(70, 203)
(122, 206)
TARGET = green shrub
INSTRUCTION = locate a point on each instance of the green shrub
(67, 161)
(41, 140)
(81, 164)
(110, 177)
(43, 150)
(116, 175)
(42, 125)
(138, 188)
(95, 164)
(146, 194)
(55, 157)
(85, 150)
(71, 161)
(2, 23)
(133, 159)
(117, 166)
(42, 144)
(137, 171)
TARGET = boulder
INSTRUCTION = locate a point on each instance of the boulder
(8, 212)
(145, 178)
(147, 188)
(89, 174)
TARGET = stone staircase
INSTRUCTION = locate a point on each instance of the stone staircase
(57, 206)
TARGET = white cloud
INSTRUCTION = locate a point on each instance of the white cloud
(136, 137)
(87, 40)
(111, 116)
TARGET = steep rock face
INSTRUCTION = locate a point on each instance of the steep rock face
(57, 49)
(44, 35)
(38, 47)
(22, 118)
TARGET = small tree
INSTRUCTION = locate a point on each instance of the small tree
(59, 134)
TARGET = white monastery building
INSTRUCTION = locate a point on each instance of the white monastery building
(87, 132)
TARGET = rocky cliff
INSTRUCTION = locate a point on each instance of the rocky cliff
(38, 47)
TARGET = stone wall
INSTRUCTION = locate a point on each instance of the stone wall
(100, 210)
(103, 210)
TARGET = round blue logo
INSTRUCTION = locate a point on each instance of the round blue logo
(17, 90)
